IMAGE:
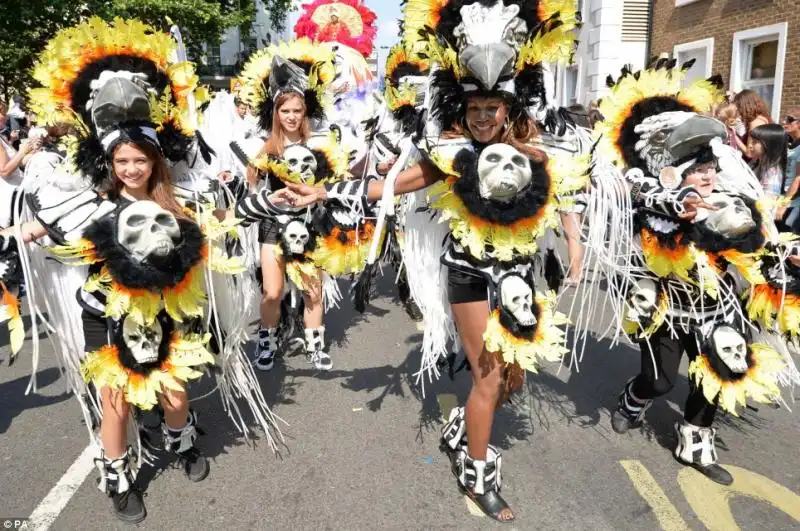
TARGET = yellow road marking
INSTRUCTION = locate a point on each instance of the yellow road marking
(667, 515)
(473, 509)
(711, 501)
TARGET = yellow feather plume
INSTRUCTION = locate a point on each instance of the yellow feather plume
(548, 343)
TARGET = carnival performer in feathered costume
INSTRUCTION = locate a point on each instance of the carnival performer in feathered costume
(495, 194)
(688, 227)
(347, 28)
(287, 85)
(151, 254)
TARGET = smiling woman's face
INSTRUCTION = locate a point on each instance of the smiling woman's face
(132, 166)
(486, 118)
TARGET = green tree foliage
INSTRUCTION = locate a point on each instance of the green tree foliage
(27, 25)
(278, 12)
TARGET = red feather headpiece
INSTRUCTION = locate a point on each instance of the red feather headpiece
(348, 22)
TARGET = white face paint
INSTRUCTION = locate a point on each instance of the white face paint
(731, 348)
(300, 160)
(517, 297)
(733, 217)
(146, 229)
(502, 172)
(642, 300)
(143, 341)
(296, 237)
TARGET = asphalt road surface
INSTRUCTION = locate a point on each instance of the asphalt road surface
(362, 450)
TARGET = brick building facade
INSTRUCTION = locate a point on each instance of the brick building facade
(751, 43)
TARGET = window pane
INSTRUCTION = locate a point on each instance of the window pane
(571, 83)
(763, 60)
(763, 90)
(698, 69)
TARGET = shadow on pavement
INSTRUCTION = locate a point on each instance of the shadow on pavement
(14, 400)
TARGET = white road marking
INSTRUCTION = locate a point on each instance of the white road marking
(57, 499)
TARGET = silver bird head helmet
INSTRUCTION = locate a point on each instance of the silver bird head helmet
(669, 137)
(488, 39)
(285, 76)
(118, 97)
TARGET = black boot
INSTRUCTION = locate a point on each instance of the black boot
(182, 443)
(481, 481)
(413, 311)
(696, 449)
(630, 410)
(117, 480)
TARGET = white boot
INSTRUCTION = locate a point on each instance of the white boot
(696, 449)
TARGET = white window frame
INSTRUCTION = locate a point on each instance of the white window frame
(707, 44)
(562, 98)
(752, 36)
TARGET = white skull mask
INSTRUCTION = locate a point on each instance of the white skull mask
(142, 341)
(146, 229)
(733, 217)
(296, 237)
(300, 160)
(517, 297)
(642, 299)
(731, 348)
(502, 172)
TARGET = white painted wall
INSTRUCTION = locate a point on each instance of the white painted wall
(262, 30)
(600, 52)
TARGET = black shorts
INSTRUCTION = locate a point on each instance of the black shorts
(268, 232)
(464, 287)
(95, 331)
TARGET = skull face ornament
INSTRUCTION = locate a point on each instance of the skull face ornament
(296, 236)
(145, 229)
(642, 300)
(301, 160)
(731, 348)
(517, 298)
(142, 341)
(502, 172)
(732, 219)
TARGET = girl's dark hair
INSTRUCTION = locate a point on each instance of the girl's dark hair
(776, 148)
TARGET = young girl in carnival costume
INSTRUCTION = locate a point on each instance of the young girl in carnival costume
(494, 194)
(679, 225)
(287, 85)
(153, 252)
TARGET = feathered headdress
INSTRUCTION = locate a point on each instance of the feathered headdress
(116, 81)
(299, 66)
(347, 22)
(406, 77)
(492, 47)
(636, 96)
